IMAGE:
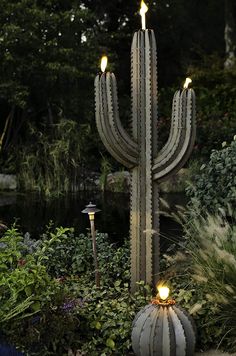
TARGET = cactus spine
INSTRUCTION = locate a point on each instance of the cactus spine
(139, 152)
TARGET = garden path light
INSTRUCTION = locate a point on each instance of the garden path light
(91, 210)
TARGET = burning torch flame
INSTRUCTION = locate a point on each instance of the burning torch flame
(142, 12)
(187, 82)
(163, 292)
(104, 61)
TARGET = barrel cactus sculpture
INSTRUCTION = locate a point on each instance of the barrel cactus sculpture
(138, 150)
(163, 329)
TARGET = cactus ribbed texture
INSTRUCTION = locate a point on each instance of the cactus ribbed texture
(163, 330)
(140, 153)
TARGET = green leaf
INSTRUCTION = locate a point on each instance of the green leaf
(36, 306)
(110, 343)
(98, 325)
(28, 291)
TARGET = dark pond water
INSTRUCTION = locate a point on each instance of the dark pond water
(33, 213)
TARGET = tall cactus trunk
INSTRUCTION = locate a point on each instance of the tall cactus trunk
(144, 128)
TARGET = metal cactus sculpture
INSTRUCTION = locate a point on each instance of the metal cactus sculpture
(139, 151)
(163, 329)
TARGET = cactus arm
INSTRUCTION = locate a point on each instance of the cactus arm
(176, 153)
(119, 134)
(100, 121)
(176, 123)
(125, 154)
(135, 85)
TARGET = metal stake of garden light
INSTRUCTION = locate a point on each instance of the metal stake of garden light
(91, 210)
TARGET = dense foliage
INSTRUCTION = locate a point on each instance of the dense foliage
(63, 310)
(215, 186)
(24, 282)
(216, 107)
(203, 277)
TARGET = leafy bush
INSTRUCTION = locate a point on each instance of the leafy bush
(204, 275)
(106, 317)
(25, 286)
(215, 187)
(77, 317)
(65, 254)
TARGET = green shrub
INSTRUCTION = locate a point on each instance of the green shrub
(74, 315)
(106, 317)
(66, 254)
(215, 187)
(204, 277)
(25, 286)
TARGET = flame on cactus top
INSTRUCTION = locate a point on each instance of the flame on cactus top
(104, 61)
(163, 292)
(187, 82)
(142, 12)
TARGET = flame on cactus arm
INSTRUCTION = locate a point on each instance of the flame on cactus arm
(142, 12)
(187, 82)
(163, 292)
(104, 61)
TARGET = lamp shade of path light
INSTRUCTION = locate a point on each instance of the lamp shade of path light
(163, 329)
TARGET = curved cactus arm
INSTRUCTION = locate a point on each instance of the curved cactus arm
(118, 132)
(100, 123)
(176, 126)
(180, 143)
(112, 140)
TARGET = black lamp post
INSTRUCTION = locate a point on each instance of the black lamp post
(91, 210)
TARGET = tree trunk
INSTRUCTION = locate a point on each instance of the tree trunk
(230, 34)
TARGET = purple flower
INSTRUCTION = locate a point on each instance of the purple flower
(69, 305)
